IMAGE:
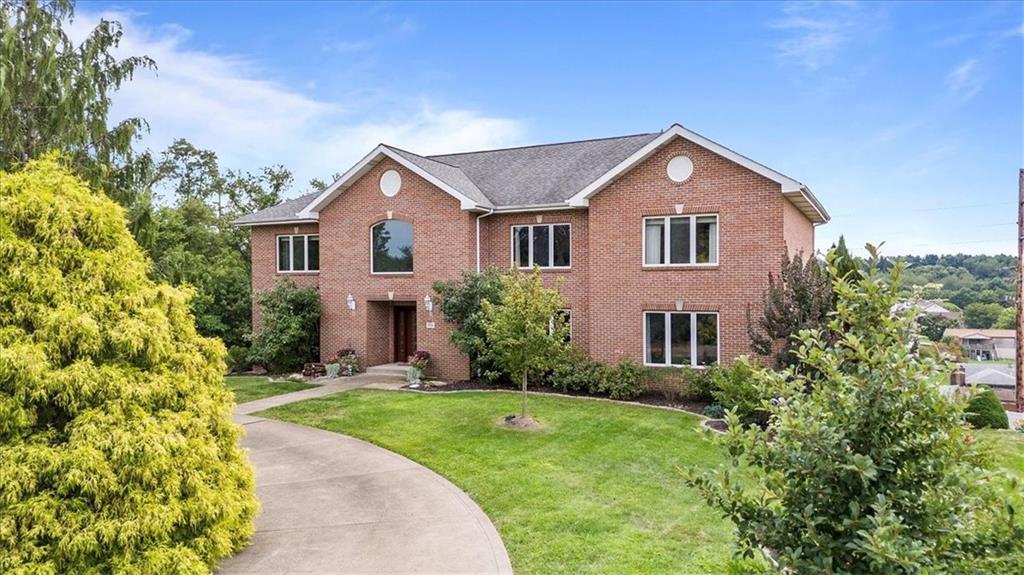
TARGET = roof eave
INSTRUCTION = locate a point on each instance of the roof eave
(277, 222)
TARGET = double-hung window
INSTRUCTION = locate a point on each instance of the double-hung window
(681, 240)
(544, 245)
(298, 253)
(680, 338)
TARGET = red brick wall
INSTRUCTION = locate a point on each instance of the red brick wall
(750, 210)
(443, 245)
(496, 249)
(264, 261)
(797, 231)
(607, 288)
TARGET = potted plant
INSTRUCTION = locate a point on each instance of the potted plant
(348, 362)
(417, 365)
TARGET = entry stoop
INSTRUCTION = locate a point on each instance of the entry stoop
(389, 370)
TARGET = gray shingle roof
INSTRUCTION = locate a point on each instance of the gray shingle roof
(528, 176)
(447, 173)
(546, 174)
(285, 211)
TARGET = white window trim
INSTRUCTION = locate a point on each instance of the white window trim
(551, 322)
(666, 239)
(305, 253)
(551, 245)
(375, 273)
(693, 334)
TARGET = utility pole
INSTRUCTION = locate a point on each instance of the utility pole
(1020, 292)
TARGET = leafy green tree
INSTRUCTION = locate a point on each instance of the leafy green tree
(520, 330)
(840, 257)
(289, 334)
(933, 325)
(1007, 319)
(117, 450)
(800, 298)
(461, 302)
(55, 95)
(981, 315)
(864, 466)
(196, 244)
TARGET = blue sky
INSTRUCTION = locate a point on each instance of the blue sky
(905, 119)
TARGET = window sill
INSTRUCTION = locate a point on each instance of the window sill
(547, 270)
(299, 273)
(655, 267)
(697, 367)
(402, 274)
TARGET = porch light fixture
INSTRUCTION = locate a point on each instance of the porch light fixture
(428, 304)
(351, 301)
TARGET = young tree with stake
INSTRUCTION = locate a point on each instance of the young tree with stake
(523, 332)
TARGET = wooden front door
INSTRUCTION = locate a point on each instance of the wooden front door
(404, 332)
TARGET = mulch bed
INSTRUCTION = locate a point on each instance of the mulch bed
(650, 398)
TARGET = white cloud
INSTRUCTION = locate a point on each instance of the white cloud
(964, 81)
(815, 32)
(229, 104)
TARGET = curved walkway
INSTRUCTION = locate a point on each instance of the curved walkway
(335, 504)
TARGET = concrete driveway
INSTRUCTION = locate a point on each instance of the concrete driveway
(335, 504)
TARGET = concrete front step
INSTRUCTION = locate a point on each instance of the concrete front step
(389, 370)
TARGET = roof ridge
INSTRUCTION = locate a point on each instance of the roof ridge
(434, 157)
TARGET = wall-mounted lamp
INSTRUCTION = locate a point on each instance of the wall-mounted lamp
(351, 301)
(428, 304)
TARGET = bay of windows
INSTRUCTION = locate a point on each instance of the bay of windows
(544, 245)
(298, 253)
(680, 338)
(681, 240)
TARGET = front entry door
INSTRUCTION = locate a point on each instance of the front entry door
(405, 332)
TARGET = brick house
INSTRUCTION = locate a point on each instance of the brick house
(660, 241)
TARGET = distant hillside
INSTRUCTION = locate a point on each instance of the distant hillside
(984, 287)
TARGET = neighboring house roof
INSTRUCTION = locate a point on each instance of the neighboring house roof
(562, 175)
(968, 333)
(992, 377)
(935, 308)
(283, 213)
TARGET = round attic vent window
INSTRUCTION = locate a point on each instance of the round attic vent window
(680, 168)
(390, 183)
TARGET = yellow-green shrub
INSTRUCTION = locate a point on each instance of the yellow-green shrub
(117, 451)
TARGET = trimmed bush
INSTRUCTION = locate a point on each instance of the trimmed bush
(117, 450)
(624, 381)
(733, 388)
(697, 384)
(985, 410)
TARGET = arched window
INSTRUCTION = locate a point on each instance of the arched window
(391, 247)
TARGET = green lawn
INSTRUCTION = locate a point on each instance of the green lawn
(249, 388)
(1008, 447)
(596, 491)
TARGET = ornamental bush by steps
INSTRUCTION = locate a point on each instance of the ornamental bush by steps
(117, 451)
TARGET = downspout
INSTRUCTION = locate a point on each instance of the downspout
(478, 218)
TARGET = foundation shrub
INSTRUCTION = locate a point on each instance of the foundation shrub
(733, 389)
(697, 384)
(290, 333)
(623, 381)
